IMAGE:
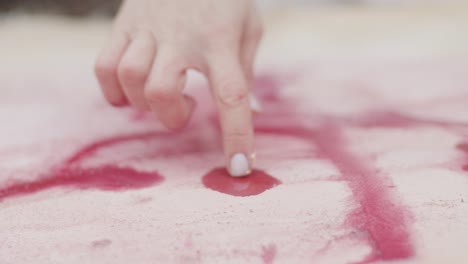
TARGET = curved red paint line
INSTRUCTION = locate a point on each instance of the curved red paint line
(379, 214)
(106, 177)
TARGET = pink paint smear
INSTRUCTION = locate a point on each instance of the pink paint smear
(379, 215)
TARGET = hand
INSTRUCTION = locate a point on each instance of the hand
(155, 42)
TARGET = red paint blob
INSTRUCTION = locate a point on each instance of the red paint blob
(256, 183)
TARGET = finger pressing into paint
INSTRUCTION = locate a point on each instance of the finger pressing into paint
(230, 89)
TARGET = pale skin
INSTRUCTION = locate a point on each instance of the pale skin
(153, 44)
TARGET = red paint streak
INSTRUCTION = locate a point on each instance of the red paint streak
(463, 147)
(257, 182)
(378, 215)
(399, 120)
(387, 119)
(107, 177)
(269, 89)
(268, 254)
(383, 219)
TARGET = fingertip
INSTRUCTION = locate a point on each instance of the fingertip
(239, 165)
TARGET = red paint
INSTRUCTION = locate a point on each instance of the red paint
(463, 147)
(107, 177)
(379, 215)
(268, 254)
(257, 182)
(268, 91)
(400, 120)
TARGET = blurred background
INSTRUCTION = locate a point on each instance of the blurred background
(296, 30)
(109, 7)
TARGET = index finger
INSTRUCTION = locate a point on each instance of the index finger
(231, 92)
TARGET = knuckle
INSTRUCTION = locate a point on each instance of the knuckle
(175, 64)
(232, 92)
(104, 69)
(131, 73)
(158, 93)
(236, 136)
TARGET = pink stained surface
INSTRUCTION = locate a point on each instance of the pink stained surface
(382, 218)
(348, 171)
(381, 222)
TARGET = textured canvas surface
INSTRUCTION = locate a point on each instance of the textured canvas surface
(362, 151)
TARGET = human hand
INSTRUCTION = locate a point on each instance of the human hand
(155, 42)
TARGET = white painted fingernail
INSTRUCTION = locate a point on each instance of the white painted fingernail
(254, 103)
(239, 166)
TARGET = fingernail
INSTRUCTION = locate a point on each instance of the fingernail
(239, 166)
(254, 103)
